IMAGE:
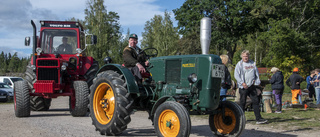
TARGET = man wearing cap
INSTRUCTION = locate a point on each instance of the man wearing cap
(294, 83)
(64, 48)
(133, 59)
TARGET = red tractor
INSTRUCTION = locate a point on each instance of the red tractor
(58, 67)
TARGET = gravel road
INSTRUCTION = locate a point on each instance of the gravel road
(58, 122)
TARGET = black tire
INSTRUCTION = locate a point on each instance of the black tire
(81, 99)
(233, 123)
(36, 103)
(90, 74)
(109, 89)
(21, 99)
(175, 113)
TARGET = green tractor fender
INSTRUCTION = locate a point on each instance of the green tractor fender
(129, 78)
(159, 102)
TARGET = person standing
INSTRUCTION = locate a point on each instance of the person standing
(226, 82)
(317, 85)
(310, 86)
(294, 83)
(247, 76)
(277, 86)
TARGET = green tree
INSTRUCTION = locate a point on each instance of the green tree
(14, 63)
(106, 26)
(160, 34)
(229, 21)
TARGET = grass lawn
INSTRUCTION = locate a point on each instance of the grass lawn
(290, 118)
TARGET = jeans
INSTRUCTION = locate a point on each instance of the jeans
(318, 95)
(223, 91)
(252, 93)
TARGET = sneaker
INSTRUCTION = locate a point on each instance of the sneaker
(261, 121)
(277, 112)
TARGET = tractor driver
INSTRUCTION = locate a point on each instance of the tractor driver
(133, 60)
(64, 48)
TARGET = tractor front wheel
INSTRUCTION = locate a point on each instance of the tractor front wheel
(110, 103)
(229, 121)
(81, 101)
(172, 119)
(21, 99)
(37, 103)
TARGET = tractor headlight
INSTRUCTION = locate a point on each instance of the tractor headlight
(39, 50)
(79, 50)
(192, 78)
(64, 66)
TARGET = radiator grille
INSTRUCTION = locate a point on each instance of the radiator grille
(47, 62)
(48, 74)
(173, 71)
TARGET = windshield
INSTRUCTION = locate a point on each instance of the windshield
(3, 85)
(16, 79)
(59, 41)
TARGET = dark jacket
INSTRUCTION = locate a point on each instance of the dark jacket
(293, 79)
(131, 57)
(227, 79)
(276, 81)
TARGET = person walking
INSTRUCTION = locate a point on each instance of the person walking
(277, 86)
(294, 83)
(247, 76)
(310, 86)
(226, 82)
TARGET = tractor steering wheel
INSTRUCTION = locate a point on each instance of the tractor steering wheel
(149, 52)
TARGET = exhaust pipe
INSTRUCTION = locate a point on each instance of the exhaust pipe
(34, 42)
(205, 34)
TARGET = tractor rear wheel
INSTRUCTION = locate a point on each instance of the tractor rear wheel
(110, 103)
(37, 103)
(90, 74)
(21, 99)
(81, 99)
(172, 119)
(231, 124)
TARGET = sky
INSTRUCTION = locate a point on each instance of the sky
(16, 16)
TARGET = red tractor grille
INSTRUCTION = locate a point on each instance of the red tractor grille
(48, 74)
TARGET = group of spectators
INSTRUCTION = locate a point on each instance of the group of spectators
(247, 77)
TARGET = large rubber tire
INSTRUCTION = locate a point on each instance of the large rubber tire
(36, 103)
(110, 103)
(21, 99)
(233, 123)
(81, 99)
(91, 73)
(172, 119)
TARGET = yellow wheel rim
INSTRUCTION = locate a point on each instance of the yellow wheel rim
(169, 124)
(225, 127)
(103, 103)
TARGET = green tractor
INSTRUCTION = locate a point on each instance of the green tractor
(179, 86)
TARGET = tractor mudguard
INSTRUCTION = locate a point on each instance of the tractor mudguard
(129, 78)
(159, 102)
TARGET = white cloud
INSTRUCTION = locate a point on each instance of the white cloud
(133, 13)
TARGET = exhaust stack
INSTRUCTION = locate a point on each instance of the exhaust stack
(205, 34)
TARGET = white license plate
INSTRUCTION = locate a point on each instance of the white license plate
(218, 70)
(3, 97)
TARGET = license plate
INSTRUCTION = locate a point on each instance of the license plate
(218, 70)
(3, 97)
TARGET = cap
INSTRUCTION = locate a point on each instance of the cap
(133, 36)
(295, 70)
(64, 37)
